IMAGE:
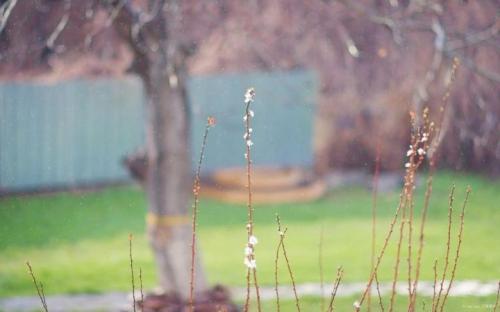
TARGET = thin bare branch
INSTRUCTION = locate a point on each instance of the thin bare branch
(39, 288)
(374, 214)
(490, 75)
(5, 11)
(498, 298)
(474, 38)
(320, 265)
(384, 247)
(398, 256)
(287, 261)
(338, 279)
(276, 282)
(196, 200)
(130, 237)
(381, 304)
(109, 21)
(142, 290)
(434, 285)
(459, 244)
(60, 26)
(448, 243)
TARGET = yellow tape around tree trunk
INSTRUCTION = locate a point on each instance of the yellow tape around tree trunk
(153, 219)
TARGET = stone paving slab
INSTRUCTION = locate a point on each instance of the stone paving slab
(120, 301)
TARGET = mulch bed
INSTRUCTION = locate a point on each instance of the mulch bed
(216, 299)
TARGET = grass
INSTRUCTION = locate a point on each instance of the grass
(77, 242)
(345, 304)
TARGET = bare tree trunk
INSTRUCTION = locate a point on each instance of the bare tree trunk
(168, 178)
(160, 61)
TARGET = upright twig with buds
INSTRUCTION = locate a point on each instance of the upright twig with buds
(457, 251)
(196, 194)
(249, 259)
(416, 155)
(448, 243)
(433, 147)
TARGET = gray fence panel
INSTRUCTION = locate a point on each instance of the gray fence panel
(283, 123)
(67, 134)
(76, 132)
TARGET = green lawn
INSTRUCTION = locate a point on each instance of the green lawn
(77, 242)
(423, 304)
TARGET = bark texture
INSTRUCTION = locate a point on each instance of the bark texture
(160, 59)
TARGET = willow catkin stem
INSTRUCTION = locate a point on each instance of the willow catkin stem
(249, 97)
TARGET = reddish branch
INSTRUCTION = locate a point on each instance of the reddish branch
(434, 284)
(374, 214)
(432, 167)
(448, 242)
(287, 261)
(459, 244)
(196, 194)
(381, 304)
(498, 298)
(276, 282)
(338, 279)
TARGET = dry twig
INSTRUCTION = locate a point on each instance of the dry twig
(289, 267)
(374, 215)
(459, 244)
(448, 242)
(39, 288)
(320, 266)
(196, 194)
(498, 298)
(130, 237)
(142, 290)
(338, 279)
